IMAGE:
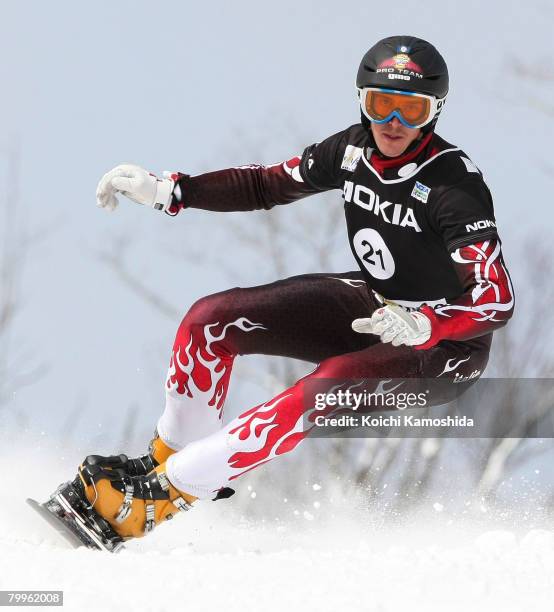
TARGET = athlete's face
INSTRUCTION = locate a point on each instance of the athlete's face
(392, 137)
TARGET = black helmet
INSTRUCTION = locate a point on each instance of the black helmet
(406, 63)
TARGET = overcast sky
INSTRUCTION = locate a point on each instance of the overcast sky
(187, 86)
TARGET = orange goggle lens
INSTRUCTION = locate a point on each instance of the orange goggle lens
(413, 108)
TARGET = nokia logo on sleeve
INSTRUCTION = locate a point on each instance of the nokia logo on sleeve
(479, 225)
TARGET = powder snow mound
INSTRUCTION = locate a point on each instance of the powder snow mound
(210, 563)
(212, 558)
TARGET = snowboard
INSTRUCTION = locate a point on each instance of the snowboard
(72, 518)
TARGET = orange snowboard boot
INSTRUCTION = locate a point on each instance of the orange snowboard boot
(132, 505)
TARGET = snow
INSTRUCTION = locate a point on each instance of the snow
(205, 561)
(338, 558)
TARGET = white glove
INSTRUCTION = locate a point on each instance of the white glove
(137, 184)
(395, 324)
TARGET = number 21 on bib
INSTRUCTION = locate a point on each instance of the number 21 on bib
(374, 253)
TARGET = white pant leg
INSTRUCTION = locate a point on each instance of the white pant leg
(253, 438)
(197, 382)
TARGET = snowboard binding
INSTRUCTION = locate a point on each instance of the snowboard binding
(71, 515)
(112, 500)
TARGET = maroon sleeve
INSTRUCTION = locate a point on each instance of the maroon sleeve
(243, 188)
(488, 299)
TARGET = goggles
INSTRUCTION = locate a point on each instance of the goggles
(413, 110)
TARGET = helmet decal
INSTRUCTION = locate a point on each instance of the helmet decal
(403, 63)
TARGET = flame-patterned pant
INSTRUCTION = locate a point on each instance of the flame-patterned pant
(306, 317)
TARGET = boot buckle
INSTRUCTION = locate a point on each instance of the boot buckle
(125, 508)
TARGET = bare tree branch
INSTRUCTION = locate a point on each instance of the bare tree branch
(115, 259)
(16, 370)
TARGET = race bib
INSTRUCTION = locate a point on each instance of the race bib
(374, 253)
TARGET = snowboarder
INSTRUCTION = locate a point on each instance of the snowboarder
(431, 288)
